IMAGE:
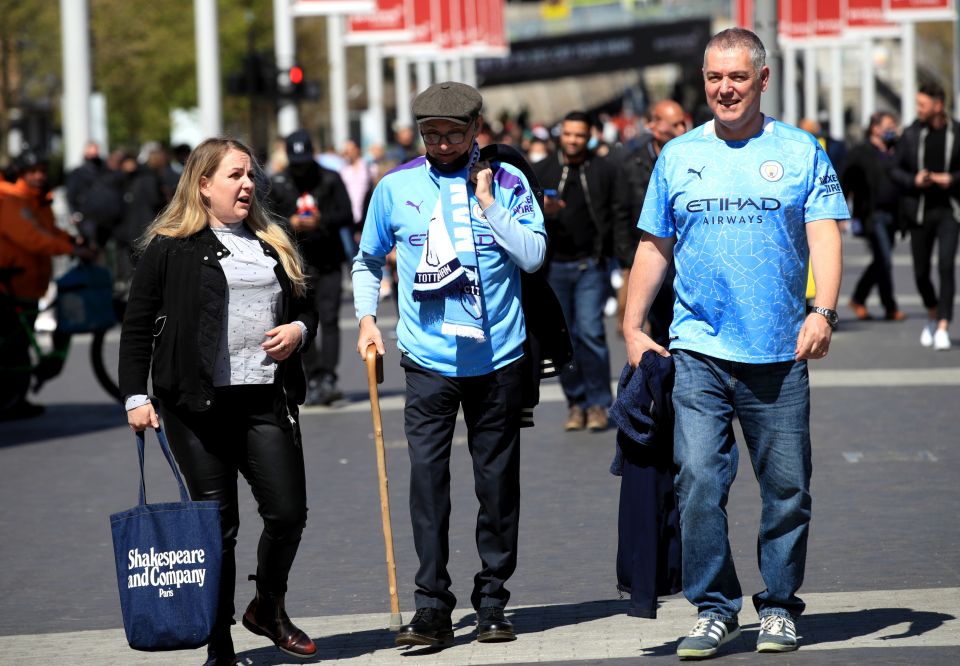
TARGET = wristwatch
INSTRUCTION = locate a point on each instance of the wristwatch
(830, 315)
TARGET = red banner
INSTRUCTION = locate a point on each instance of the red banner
(422, 40)
(866, 18)
(795, 20)
(919, 10)
(469, 17)
(827, 19)
(498, 27)
(392, 22)
(743, 13)
(449, 35)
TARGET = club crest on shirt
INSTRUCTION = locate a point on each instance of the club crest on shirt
(771, 170)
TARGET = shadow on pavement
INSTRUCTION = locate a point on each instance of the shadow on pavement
(835, 627)
(356, 644)
(62, 420)
(338, 646)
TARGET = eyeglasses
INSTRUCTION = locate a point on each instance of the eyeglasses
(451, 138)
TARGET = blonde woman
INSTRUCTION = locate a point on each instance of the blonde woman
(217, 316)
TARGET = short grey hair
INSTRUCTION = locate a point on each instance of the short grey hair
(738, 38)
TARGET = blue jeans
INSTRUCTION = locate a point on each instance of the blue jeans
(582, 288)
(772, 403)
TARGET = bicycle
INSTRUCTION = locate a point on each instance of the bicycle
(25, 363)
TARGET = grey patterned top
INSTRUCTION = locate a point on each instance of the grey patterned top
(252, 308)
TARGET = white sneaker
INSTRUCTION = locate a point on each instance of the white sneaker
(941, 340)
(610, 307)
(926, 336)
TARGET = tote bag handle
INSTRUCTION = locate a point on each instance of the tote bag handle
(165, 447)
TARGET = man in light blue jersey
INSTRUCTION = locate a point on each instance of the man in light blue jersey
(742, 203)
(463, 234)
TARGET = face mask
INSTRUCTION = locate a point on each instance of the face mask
(593, 143)
(889, 137)
(537, 157)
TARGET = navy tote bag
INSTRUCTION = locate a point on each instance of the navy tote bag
(168, 566)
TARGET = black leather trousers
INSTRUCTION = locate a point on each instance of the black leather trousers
(241, 433)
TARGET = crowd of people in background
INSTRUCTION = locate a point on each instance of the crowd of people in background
(114, 197)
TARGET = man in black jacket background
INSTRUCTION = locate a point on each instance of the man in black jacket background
(926, 167)
(866, 182)
(667, 121)
(315, 201)
(582, 204)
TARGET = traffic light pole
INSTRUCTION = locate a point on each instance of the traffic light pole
(285, 49)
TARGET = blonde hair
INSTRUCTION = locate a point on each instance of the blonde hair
(189, 211)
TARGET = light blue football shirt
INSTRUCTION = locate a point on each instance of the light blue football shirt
(738, 210)
(399, 216)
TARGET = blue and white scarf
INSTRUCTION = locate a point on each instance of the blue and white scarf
(448, 267)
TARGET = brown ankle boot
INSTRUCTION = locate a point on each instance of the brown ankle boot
(266, 616)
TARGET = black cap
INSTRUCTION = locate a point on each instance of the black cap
(299, 148)
(28, 160)
(449, 100)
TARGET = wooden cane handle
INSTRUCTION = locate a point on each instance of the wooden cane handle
(375, 359)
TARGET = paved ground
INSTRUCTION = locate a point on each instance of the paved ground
(883, 574)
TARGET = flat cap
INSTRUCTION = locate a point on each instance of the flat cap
(449, 100)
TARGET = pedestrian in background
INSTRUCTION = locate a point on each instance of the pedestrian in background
(667, 121)
(867, 185)
(95, 197)
(926, 166)
(146, 192)
(315, 201)
(740, 203)
(217, 317)
(29, 239)
(582, 204)
(462, 235)
(358, 177)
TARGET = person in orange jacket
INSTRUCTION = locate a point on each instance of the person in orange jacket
(29, 238)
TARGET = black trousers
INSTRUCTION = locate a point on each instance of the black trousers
(881, 237)
(939, 227)
(491, 409)
(323, 356)
(241, 433)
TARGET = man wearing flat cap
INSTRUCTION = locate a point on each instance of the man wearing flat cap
(463, 234)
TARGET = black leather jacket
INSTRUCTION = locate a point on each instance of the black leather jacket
(636, 166)
(174, 317)
(906, 164)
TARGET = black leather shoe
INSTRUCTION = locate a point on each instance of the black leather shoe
(493, 627)
(430, 626)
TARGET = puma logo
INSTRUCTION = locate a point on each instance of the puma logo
(415, 205)
(698, 173)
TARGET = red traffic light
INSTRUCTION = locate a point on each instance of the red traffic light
(296, 75)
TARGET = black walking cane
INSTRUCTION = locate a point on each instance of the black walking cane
(374, 377)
